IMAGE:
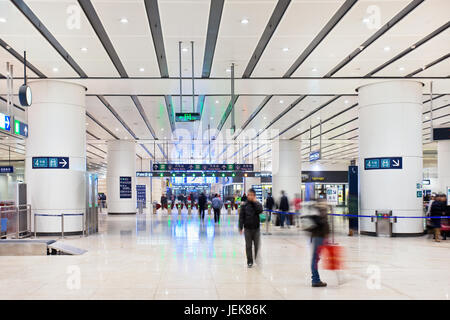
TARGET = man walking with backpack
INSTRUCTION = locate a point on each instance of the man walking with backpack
(249, 222)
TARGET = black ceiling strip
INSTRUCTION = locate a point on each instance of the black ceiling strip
(15, 105)
(19, 57)
(310, 114)
(96, 24)
(215, 15)
(428, 65)
(226, 114)
(141, 110)
(95, 154)
(434, 98)
(343, 152)
(26, 11)
(348, 4)
(91, 134)
(97, 148)
(267, 34)
(437, 118)
(118, 117)
(326, 120)
(154, 21)
(170, 113)
(410, 49)
(399, 16)
(146, 150)
(438, 108)
(278, 117)
(253, 115)
(101, 125)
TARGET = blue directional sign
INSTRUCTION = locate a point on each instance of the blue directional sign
(20, 128)
(6, 169)
(5, 122)
(313, 156)
(202, 167)
(50, 162)
(383, 163)
(125, 188)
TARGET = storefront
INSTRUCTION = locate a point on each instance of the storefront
(316, 183)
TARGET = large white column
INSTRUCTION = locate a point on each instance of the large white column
(443, 151)
(286, 168)
(121, 163)
(390, 125)
(57, 127)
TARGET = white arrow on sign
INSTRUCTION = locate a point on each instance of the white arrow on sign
(64, 162)
(395, 163)
(26, 131)
(6, 122)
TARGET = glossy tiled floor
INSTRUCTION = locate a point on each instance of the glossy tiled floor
(177, 257)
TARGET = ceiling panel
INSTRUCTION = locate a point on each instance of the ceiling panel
(155, 109)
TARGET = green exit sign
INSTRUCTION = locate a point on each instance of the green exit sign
(187, 116)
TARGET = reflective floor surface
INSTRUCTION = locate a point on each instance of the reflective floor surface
(179, 257)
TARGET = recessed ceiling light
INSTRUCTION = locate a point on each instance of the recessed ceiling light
(314, 70)
(427, 117)
(281, 101)
(365, 20)
(141, 69)
(87, 123)
(285, 49)
(162, 129)
(318, 118)
(184, 49)
(244, 21)
(124, 20)
(387, 48)
(55, 69)
(265, 118)
(401, 68)
(217, 101)
(117, 129)
(211, 118)
(84, 49)
(413, 46)
(298, 129)
(126, 138)
(361, 47)
(228, 70)
(3, 20)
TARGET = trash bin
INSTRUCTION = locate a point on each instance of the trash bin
(383, 223)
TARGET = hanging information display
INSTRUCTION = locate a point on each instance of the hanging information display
(202, 167)
(141, 194)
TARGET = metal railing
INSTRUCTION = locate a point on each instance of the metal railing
(20, 218)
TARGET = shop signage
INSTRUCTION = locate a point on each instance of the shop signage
(383, 163)
(419, 194)
(7, 169)
(258, 192)
(125, 187)
(313, 156)
(20, 128)
(426, 182)
(144, 174)
(441, 133)
(5, 122)
(201, 167)
(50, 162)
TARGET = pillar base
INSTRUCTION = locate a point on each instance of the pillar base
(394, 235)
(121, 213)
(58, 234)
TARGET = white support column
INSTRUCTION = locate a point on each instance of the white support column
(121, 163)
(286, 168)
(390, 125)
(57, 128)
(443, 153)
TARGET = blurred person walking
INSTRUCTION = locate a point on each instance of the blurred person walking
(202, 205)
(270, 203)
(438, 208)
(297, 203)
(249, 223)
(284, 207)
(217, 205)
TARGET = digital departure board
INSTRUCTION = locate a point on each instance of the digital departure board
(441, 133)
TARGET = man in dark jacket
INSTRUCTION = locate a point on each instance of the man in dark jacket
(202, 205)
(318, 237)
(249, 221)
(284, 207)
(270, 203)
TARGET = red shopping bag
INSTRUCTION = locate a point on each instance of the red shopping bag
(332, 257)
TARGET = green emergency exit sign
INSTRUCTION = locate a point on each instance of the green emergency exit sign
(187, 116)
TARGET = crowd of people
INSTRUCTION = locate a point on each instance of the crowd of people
(437, 209)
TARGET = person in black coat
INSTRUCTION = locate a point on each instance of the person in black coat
(270, 203)
(438, 208)
(202, 205)
(249, 224)
(284, 207)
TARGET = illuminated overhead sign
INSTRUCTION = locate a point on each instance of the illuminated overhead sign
(202, 167)
(313, 156)
(187, 116)
(20, 128)
(5, 122)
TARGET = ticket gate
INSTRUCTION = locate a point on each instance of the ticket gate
(383, 222)
(189, 208)
(179, 207)
(209, 208)
(169, 207)
(228, 206)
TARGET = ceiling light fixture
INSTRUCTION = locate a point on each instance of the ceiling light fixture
(2, 20)
(244, 21)
(141, 69)
(401, 68)
(285, 49)
(124, 20)
(184, 49)
(314, 69)
(387, 48)
(117, 129)
(281, 101)
(211, 118)
(84, 49)
(228, 70)
(346, 101)
(217, 101)
(55, 69)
